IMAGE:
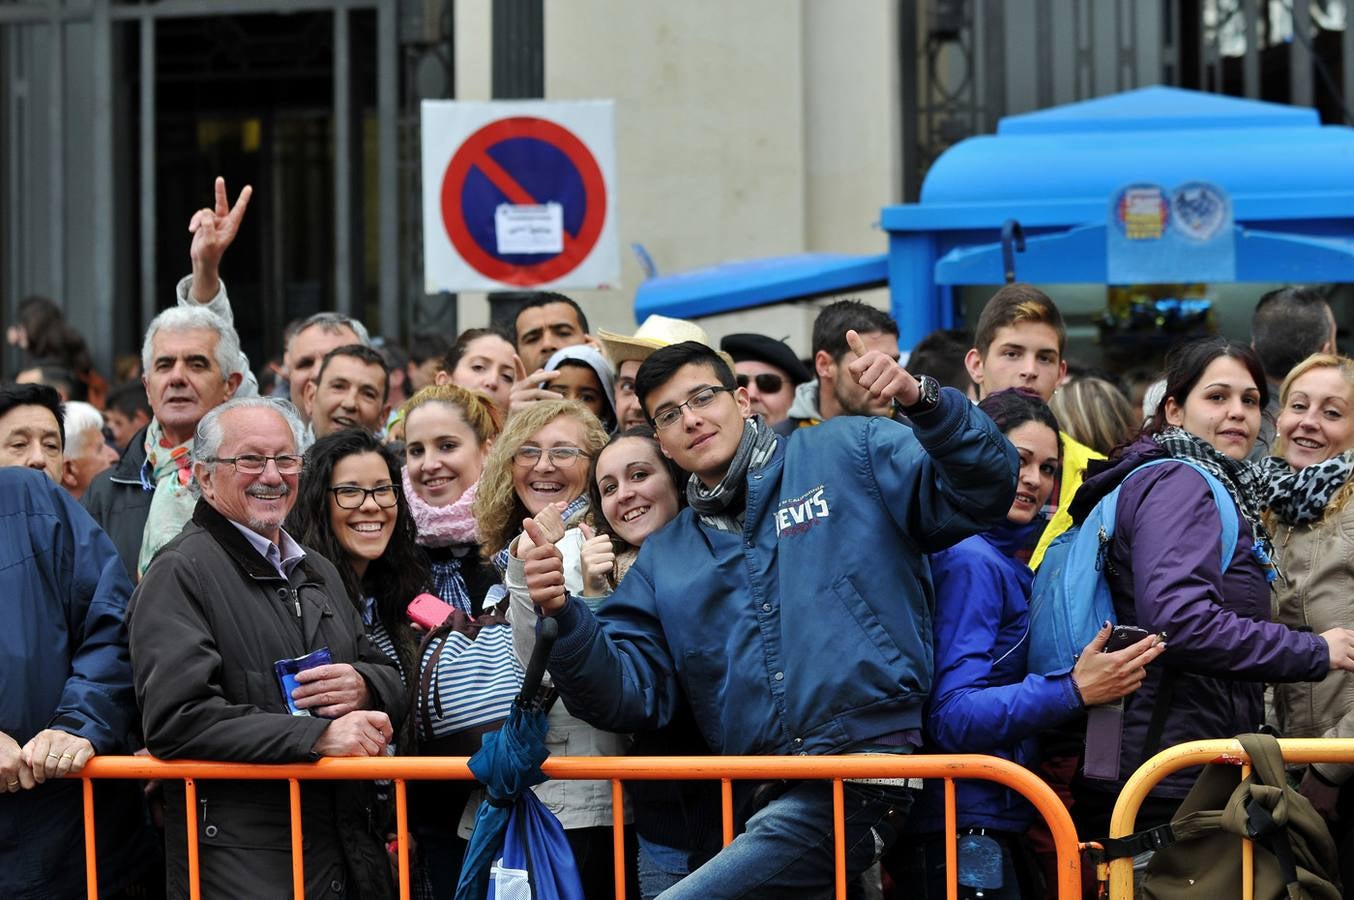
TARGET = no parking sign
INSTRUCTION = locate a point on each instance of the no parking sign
(519, 194)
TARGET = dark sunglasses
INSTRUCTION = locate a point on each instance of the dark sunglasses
(766, 382)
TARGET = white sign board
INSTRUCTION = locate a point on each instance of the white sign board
(519, 195)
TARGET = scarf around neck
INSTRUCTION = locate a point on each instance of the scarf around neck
(713, 504)
(168, 471)
(442, 526)
(1300, 496)
(1245, 482)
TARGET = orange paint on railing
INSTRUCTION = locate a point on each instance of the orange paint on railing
(951, 841)
(725, 769)
(1198, 753)
(839, 836)
(618, 836)
(298, 873)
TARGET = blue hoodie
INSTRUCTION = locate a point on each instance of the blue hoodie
(811, 630)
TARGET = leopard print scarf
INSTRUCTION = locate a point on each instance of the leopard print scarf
(1299, 497)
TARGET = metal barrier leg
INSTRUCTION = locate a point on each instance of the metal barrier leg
(726, 808)
(618, 835)
(402, 834)
(951, 843)
(839, 835)
(190, 810)
(298, 873)
(91, 856)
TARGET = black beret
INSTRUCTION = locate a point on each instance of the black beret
(760, 348)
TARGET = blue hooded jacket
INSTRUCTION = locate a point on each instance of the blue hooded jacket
(984, 700)
(811, 630)
(64, 665)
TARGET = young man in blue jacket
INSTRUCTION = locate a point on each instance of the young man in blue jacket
(790, 603)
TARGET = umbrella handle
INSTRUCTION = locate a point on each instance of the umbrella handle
(547, 631)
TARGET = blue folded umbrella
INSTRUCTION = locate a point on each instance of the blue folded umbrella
(508, 764)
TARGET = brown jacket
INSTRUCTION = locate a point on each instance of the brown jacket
(206, 624)
(1318, 562)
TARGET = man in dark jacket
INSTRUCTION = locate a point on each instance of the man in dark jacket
(191, 361)
(67, 691)
(221, 603)
(790, 603)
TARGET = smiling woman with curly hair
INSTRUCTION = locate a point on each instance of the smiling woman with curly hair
(506, 493)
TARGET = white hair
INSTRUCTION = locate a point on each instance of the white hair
(210, 434)
(333, 323)
(81, 418)
(193, 318)
(1151, 399)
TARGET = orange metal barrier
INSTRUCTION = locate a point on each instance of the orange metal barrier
(725, 769)
(1198, 753)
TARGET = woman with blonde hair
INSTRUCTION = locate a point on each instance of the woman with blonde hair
(538, 469)
(1313, 522)
(448, 434)
(1095, 413)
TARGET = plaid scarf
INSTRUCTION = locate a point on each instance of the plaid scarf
(1245, 482)
(713, 504)
(168, 471)
(1300, 496)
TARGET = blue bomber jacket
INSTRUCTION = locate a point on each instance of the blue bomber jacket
(811, 630)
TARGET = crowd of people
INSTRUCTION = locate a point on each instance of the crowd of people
(745, 553)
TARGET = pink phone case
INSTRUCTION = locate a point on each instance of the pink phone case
(428, 611)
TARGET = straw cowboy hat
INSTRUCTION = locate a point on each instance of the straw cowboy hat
(655, 332)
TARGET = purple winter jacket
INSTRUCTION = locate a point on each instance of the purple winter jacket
(1163, 573)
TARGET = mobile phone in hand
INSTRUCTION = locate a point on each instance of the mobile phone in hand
(428, 611)
(1124, 636)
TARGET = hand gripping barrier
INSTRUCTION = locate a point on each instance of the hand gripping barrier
(1198, 753)
(725, 769)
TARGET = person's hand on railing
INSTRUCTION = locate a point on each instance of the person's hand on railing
(331, 691)
(598, 560)
(15, 775)
(1105, 677)
(544, 570)
(53, 753)
(363, 732)
(1340, 641)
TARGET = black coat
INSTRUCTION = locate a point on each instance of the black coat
(120, 503)
(207, 622)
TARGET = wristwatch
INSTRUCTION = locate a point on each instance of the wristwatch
(928, 397)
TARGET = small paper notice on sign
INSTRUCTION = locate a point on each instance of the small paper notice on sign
(529, 228)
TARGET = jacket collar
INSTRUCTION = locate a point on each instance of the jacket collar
(239, 549)
(128, 467)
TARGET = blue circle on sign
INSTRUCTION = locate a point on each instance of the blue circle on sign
(537, 167)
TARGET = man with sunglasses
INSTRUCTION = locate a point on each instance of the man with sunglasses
(219, 608)
(790, 603)
(768, 370)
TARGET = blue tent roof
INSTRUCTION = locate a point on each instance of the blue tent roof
(757, 282)
(1061, 166)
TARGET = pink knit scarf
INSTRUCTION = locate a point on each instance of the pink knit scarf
(442, 526)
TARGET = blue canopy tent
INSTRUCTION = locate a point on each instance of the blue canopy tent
(1288, 179)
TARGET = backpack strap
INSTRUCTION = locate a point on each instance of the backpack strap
(1227, 511)
(1156, 725)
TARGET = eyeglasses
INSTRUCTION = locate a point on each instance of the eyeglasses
(254, 464)
(350, 496)
(767, 382)
(698, 400)
(561, 457)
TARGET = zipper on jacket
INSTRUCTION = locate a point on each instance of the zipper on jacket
(285, 594)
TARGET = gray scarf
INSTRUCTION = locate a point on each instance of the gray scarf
(755, 449)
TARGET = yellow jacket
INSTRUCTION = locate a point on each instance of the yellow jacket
(1075, 457)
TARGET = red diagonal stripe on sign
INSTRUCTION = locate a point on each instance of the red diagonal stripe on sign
(499, 178)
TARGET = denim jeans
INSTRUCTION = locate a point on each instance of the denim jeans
(787, 849)
(918, 868)
(660, 867)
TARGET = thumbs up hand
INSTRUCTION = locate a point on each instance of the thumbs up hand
(879, 374)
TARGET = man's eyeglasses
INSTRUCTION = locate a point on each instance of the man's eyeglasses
(698, 400)
(254, 464)
(767, 382)
(560, 457)
(350, 496)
